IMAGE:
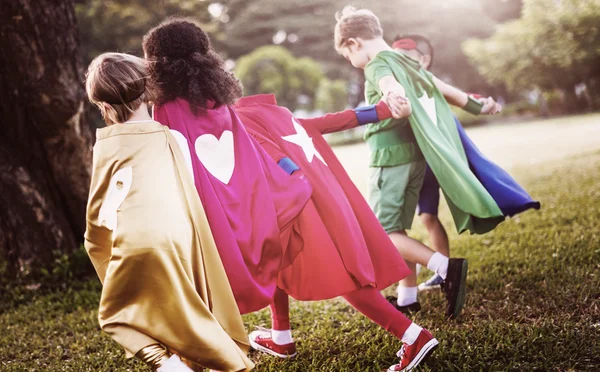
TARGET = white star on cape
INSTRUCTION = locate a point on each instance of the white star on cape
(428, 104)
(302, 139)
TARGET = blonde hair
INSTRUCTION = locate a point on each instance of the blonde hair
(116, 83)
(353, 23)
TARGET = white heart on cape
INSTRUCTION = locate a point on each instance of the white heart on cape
(217, 155)
(428, 104)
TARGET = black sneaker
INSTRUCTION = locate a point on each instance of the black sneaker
(455, 286)
(406, 310)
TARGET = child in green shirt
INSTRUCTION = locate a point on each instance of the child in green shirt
(399, 146)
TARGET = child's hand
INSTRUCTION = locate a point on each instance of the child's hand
(490, 107)
(399, 105)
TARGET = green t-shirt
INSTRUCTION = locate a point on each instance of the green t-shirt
(391, 141)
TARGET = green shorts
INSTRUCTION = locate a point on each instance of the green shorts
(394, 194)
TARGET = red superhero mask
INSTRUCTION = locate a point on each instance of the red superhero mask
(406, 44)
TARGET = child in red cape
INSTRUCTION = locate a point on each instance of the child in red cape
(344, 251)
(248, 199)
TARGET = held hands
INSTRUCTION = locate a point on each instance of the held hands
(490, 107)
(398, 104)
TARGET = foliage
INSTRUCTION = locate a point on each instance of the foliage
(64, 268)
(555, 44)
(332, 96)
(533, 287)
(273, 69)
(118, 25)
(305, 28)
(308, 25)
(67, 267)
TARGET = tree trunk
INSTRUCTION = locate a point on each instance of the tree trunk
(45, 143)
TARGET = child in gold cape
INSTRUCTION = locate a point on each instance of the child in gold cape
(165, 293)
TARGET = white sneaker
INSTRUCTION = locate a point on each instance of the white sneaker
(434, 282)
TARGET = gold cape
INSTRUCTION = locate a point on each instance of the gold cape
(150, 242)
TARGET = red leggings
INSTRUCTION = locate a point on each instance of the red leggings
(367, 301)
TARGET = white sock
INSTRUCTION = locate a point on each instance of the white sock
(174, 364)
(407, 295)
(282, 337)
(412, 332)
(438, 264)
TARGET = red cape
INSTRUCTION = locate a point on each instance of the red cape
(341, 243)
(248, 199)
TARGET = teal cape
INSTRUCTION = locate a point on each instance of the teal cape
(432, 122)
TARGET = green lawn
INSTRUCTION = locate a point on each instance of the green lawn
(533, 301)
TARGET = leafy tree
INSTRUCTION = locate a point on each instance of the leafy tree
(307, 29)
(119, 25)
(273, 69)
(554, 45)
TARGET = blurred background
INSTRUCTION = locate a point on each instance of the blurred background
(535, 286)
(542, 57)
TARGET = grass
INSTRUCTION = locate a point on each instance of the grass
(533, 301)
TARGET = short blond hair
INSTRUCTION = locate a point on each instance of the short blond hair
(116, 83)
(355, 23)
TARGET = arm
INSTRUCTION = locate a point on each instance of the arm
(454, 96)
(347, 119)
(467, 102)
(388, 85)
(381, 75)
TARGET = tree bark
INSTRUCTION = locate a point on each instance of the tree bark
(45, 143)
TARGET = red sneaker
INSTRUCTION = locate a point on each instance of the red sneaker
(412, 355)
(262, 341)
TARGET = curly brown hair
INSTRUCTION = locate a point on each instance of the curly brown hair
(182, 64)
